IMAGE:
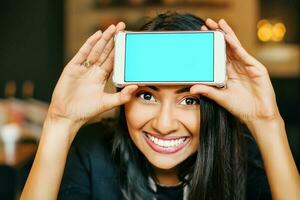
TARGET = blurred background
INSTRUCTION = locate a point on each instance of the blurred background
(38, 37)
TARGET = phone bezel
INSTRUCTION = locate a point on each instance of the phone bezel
(220, 75)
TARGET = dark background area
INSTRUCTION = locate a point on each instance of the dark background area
(287, 89)
(286, 11)
(31, 44)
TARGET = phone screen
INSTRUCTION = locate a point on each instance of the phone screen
(169, 57)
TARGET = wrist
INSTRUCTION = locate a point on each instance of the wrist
(65, 126)
(266, 127)
(57, 119)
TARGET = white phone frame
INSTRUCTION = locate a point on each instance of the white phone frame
(220, 72)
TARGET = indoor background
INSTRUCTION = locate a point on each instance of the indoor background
(38, 37)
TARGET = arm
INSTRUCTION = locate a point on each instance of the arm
(249, 96)
(282, 173)
(45, 175)
(78, 98)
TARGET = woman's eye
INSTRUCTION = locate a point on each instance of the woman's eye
(190, 101)
(147, 96)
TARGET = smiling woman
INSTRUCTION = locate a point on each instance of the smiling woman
(163, 143)
(170, 142)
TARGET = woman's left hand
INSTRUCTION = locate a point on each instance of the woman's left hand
(249, 94)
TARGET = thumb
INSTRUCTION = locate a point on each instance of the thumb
(126, 93)
(211, 92)
(119, 98)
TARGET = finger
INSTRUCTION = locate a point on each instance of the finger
(108, 48)
(120, 26)
(230, 70)
(99, 46)
(105, 53)
(211, 92)
(108, 64)
(113, 100)
(84, 51)
(204, 28)
(212, 24)
(239, 51)
(233, 72)
(227, 29)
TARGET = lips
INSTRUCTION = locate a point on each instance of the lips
(166, 145)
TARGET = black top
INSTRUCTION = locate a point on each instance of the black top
(90, 172)
(167, 193)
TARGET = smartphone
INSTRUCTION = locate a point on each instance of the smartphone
(170, 57)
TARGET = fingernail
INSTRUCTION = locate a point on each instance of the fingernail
(223, 21)
(196, 88)
(193, 90)
(112, 26)
(133, 88)
(204, 28)
(122, 23)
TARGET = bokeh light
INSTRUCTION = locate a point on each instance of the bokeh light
(278, 31)
(267, 31)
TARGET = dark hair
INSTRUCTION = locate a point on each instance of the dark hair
(216, 171)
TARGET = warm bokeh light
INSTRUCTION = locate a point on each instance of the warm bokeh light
(265, 32)
(262, 22)
(270, 32)
(278, 31)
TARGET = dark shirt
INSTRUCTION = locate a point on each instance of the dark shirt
(90, 172)
(167, 193)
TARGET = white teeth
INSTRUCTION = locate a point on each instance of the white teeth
(161, 143)
(166, 143)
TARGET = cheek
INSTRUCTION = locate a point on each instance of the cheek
(191, 120)
(137, 115)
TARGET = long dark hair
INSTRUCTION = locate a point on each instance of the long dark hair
(216, 171)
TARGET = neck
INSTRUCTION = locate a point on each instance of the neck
(166, 177)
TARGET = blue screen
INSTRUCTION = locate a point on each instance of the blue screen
(169, 57)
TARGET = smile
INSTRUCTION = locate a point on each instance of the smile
(171, 145)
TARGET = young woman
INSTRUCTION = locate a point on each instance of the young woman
(170, 142)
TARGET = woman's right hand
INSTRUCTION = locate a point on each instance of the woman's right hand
(79, 94)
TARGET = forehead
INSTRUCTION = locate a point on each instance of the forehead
(177, 89)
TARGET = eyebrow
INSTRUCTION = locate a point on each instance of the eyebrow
(181, 90)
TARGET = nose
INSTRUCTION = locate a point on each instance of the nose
(165, 122)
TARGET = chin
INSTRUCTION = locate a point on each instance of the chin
(164, 163)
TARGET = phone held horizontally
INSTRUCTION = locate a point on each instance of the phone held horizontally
(170, 58)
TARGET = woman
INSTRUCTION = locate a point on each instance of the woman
(159, 148)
